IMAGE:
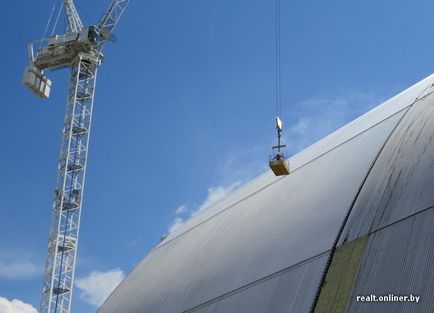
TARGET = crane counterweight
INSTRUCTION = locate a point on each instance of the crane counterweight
(37, 81)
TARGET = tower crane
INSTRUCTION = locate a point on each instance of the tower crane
(79, 49)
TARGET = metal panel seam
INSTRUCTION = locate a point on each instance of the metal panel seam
(400, 220)
(254, 283)
(300, 167)
(347, 215)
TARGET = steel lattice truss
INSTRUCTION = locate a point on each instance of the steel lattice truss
(62, 247)
(79, 49)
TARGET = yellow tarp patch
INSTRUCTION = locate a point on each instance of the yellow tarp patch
(340, 277)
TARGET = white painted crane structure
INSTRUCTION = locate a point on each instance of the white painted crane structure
(79, 49)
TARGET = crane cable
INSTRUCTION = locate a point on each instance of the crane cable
(57, 19)
(47, 27)
(53, 9)
(277, 59)
(49, 19)
(48, 22)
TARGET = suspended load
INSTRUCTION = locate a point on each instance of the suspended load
(278, 160)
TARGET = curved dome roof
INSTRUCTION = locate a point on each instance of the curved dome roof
(280, 244)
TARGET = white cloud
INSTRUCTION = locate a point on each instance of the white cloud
(180, 210)
(97, 286)
(18, 270)
(243, 162)
(317, 117)
(176, 223)
(135, 242)
(311, 120)
(214, 195)
(15, 306)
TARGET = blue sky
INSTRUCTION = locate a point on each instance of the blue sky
(184, 114)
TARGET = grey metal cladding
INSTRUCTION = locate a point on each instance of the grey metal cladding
(398, 260)
(402, 179)
(276, 294)
(395, 105)
(220, 259)
(293, 219)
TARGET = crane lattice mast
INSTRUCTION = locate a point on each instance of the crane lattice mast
(80, 50)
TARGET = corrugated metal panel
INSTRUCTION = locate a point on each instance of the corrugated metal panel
(265, 227)
(402, 180)
(376, 115)
(293, 219)
(398, 260)
(275, 294)
(390, 107)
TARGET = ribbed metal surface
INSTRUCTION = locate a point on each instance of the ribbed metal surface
(269, 230)
(398, 260)
(354, 128)
(396, 207)
(402, 180)
(267, 226)
(276, 294)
